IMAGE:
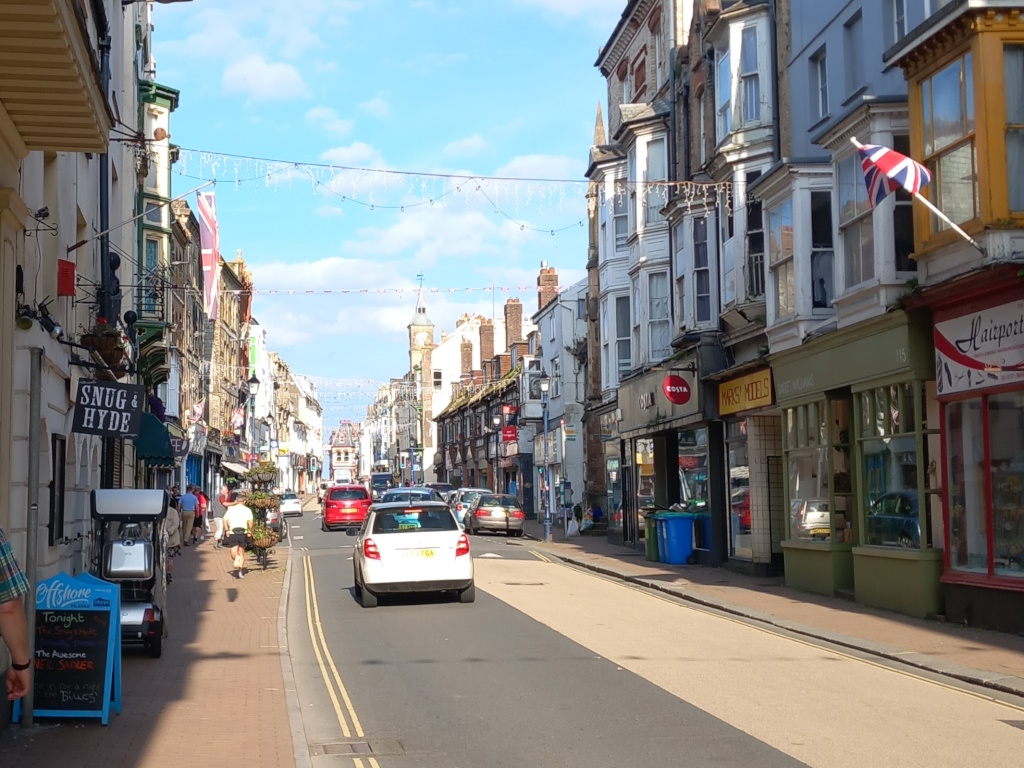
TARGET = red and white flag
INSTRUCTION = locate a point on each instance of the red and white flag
(886, 170)
(209, 236)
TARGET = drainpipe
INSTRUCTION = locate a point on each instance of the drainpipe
(35, 396)
(773, 40)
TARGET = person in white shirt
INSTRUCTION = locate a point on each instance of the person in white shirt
(238, 523)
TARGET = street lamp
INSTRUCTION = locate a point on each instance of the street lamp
(254, 387)
(545, 385)
(496, 419)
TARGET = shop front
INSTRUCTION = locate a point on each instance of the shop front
(979, 347)
(753, 443)
(672, 453)
(856, 438)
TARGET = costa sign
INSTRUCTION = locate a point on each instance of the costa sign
(676, 389)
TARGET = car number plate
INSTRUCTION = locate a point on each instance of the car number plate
(420, 552)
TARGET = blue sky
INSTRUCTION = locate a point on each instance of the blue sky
(497, 88)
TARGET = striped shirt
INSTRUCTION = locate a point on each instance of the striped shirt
(13, 583)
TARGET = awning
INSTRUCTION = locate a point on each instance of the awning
(153, 445)
(233, 467)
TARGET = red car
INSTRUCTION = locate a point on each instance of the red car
(345, 506)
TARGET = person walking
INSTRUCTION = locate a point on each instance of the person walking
(187, 506)
(13, 625)
(198, 530)
(217, 508)
(238, 523)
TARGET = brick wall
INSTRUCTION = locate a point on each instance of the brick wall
(513, 322)
(466, 352)
(547, 286)
(486, 339)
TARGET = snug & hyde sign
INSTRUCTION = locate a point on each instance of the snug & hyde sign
(108, 409)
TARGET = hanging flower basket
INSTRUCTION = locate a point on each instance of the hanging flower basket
(263, 473)
(265, 542)
(262, 500)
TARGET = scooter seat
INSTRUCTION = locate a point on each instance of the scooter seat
(130, 560)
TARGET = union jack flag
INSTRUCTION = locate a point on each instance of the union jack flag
(886, 170)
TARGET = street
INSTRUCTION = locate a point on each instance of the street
(557, 665)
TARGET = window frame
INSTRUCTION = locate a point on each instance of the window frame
(58, 489)
(723, 108)
(745, 76)
(783, 266)
(816, 249)
(661, 305)
(753, 259)
(705, 269)
(623, 364)
(860, 218)
(652, 209)
(819, 83)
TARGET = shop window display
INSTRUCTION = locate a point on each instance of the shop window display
(1006, 447)
(645, 480)
(739, 489)
(693, 482)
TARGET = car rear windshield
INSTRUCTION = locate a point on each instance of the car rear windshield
(409, 496)
(402, 520)
(289, 496)
(508, 502)
(348, 494)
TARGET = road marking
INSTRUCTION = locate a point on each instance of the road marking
(330, 659)
(489, 554)
(540, 556)
(358, 761)
(296, 538)
(307, 579)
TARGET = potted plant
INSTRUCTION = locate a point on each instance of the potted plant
(263, 537)
(263, 473)
(261, 500)
(109, 341)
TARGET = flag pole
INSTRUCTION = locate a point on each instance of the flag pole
(931, 206)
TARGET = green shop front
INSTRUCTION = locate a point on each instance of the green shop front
(861, 494)
(673, 453)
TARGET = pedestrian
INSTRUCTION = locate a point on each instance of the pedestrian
(187, 506)
(217, 510)
(13, 625)
(172, 529)
(238, 523)
(198, 531)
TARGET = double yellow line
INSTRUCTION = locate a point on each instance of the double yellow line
(335, 686)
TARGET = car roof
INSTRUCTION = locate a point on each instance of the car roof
(388, 506)
(348, 486)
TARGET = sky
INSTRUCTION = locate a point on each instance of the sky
(374, 112)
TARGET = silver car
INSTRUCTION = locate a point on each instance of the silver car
(496, 512)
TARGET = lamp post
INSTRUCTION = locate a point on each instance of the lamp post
(545, 385)
(496, 419)
(254, 387)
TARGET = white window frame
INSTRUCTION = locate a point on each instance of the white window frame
(631, 171)
(856, 222)
(438, 378)
(723, 108)
(659, 320)
(899, 19)
(780, 264)
(620, 218)
(817, 249)
(706, 270)
(637, 301)
(819, 83)
(703, 130)
(659, 63)
(606, 373)
(750, 78)
(623, 354)
(655, 196)
(556, 377)
(679, 254)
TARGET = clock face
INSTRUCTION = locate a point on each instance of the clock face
(421, 337)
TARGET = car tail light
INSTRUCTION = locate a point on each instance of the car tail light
(481, 513)
(462, 548)
(370, 550)
(517, 513)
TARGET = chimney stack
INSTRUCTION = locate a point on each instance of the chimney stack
(486, 340)
(513, 322)
(547, 285)
(467, 356)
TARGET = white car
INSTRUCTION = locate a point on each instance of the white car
(403, 547)
(291, 504)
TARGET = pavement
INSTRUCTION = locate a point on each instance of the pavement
(981, 657)
(221, 692)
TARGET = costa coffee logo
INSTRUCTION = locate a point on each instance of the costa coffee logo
(676, 389)
(646, 400)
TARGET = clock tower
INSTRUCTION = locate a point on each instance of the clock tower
(421, 337)
(421, 348)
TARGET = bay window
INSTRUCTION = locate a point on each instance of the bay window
(1013, 70)
(655, 196)
(822, 279)
(947, 124)
(723, 97)
(606, 372)
(623, 353)
(637, 319)
(679, 240)
(780, 258)
(748, 75)
(659, 325)
(620, 217)
(701, 271)
(855, 223)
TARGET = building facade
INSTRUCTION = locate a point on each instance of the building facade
(344, 444)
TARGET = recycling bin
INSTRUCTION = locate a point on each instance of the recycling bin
(678, 537)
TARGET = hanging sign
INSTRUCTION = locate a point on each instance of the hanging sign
(676, 389)
(980, 350)
(108, 409)
(509, 434)
(77, 659)
(179, 440)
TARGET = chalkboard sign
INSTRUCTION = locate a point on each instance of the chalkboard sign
(115, 691)
(78, 629)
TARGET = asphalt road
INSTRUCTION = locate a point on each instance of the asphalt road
(554, 666)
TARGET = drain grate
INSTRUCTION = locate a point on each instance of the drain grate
(358, 747)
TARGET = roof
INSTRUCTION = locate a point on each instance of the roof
(470, 397)
(420, 317)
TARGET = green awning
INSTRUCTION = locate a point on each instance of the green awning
(153, 445)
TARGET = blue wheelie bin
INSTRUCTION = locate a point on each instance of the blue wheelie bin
(678, 544)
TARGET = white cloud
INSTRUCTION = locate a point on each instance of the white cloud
(329, 120)
(542, 167)
(262, 80)
(377, 107)
(471, 145)
(358, 154)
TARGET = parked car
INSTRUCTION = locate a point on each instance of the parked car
(462, 499)
(893, 520)
(443, 488)
(411, 548)
(291, 504)
(277, 523)
(497, 512)
(412, 495)
(810, 519)
(345, 506)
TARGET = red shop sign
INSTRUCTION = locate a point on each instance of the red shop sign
(509, 434)
(676, 389)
